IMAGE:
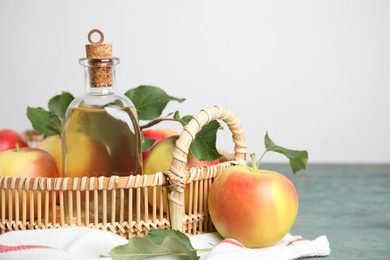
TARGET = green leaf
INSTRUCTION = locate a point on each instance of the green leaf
(177, 117)
(157, 243)
(150, 101)
(298, 159)
(157, 236)
(186, 119)
(58, 104)
(204, 145)
(147, 143)
(43, 121)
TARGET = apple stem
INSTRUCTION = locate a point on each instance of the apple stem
(57, 127)
(254, 163)
(17, 146)
(261, 158)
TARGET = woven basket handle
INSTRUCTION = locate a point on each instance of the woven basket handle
(177, 176)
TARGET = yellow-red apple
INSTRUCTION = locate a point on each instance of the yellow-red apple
(52, 145)
(161, 154)
(86, 157)
(160, 157)
(8, 139)
(255, 207)
(26, 162)
(157, 134)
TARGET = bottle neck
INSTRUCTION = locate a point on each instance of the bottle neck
(99, 75)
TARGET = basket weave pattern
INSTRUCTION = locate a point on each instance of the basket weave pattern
(128, 206)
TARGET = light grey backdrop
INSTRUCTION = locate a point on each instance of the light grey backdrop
(315, 74)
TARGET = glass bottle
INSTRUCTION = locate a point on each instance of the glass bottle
(101, 135)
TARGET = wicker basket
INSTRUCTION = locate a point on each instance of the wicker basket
(135, 202)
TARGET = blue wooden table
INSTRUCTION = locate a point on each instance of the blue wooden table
(349, 203)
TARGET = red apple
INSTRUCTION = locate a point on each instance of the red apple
(157, 134)
(26, 162)
(255, 207)
(8, 139)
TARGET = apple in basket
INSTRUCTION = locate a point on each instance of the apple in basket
(256, 207)
(8, 139)
(25, 162)
(157, 134)
(52, 144)
(87, 162)
(159, 159)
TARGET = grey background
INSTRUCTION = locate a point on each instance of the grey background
(315, 74)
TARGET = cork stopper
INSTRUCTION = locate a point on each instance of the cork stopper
(99, 55)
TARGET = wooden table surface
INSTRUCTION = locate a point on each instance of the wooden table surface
(349, 203)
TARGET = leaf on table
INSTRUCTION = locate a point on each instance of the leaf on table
(59, 103)
(298, 159)
(150, 101)
(157, 243)
(159, 235)
(43, 121)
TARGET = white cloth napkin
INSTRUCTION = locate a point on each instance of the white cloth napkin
(290, 247)
(62, 243)
(87, 243)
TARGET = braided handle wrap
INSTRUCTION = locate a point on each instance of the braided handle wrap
(177, 176)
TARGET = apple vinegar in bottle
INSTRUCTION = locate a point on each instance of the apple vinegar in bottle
(101, 137)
